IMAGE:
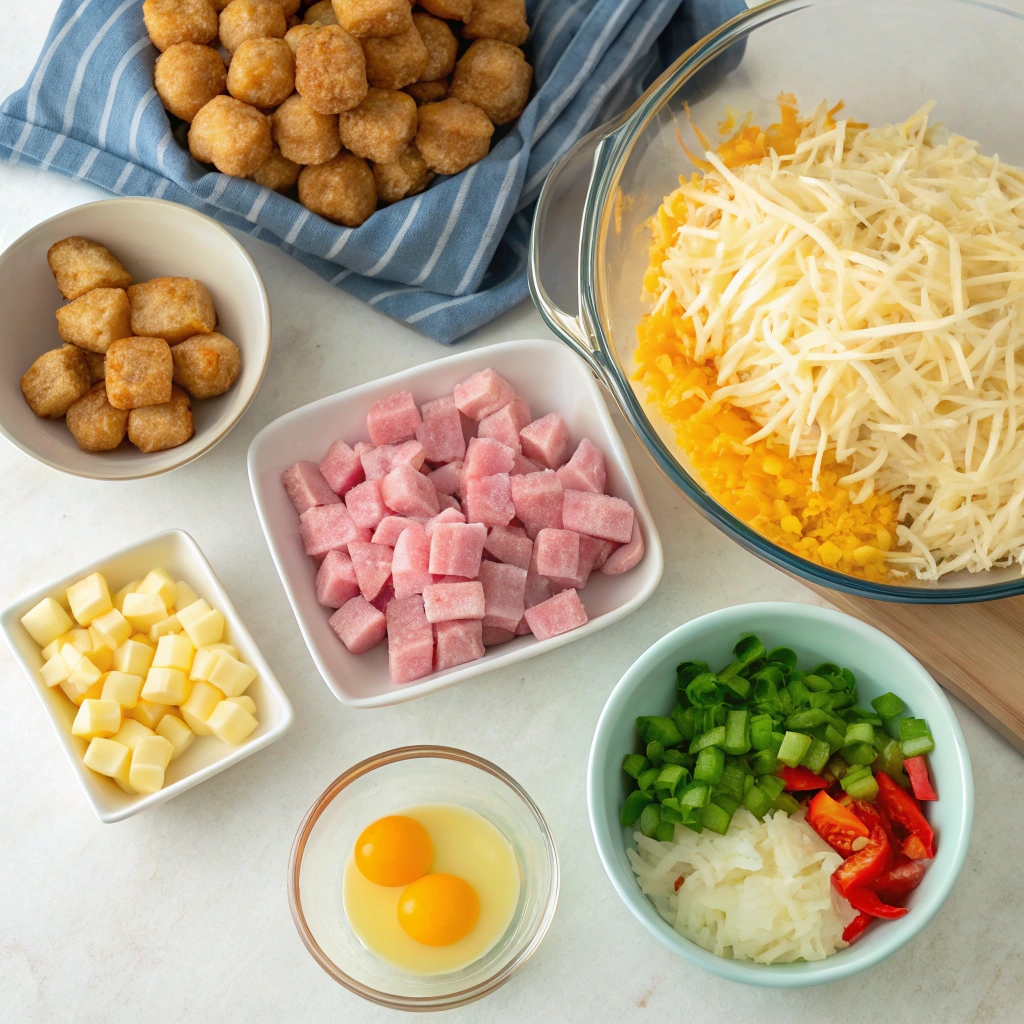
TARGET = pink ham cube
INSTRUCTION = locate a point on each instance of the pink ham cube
(447, 479)
(546, 440)
(524, 627)
(336, 580)
(444, 601)
(489, 500)
(410, 639)
(306, 487)
(457, 548)
(509, 546)
(591, 550)
(447, 501)
(487, 457)
(557, 615)
(505, 424)
(451, 579)
(598, 515)
(538, 499)
(458, 642)
(556, 552)
(624, 558)
(483, 393)
(324, 528)
(409, 565)
(446, 515)
(440, 433)
(585, 471)
(372, 566)
(359, 625)
(504, 594)
(494, 635)
(525, 465)
(365, 503)
(390, 529)
(342, 468)
(384, 598)
(393, 419)
(410, 493)
(378, 462)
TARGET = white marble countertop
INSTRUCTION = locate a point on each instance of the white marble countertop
(181, 913)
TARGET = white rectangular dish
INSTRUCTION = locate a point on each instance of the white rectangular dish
(551, 379)
(179, 554)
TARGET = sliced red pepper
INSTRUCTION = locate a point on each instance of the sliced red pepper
(872, 817)
(853, 930)
(836, 824)
(868, 902)
(678, 884)
(900, 807)
(917, 771)
(899, 881)
(915, 849)
(864, 866)
(799, 780)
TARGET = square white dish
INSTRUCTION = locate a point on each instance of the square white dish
(179, 554)
(551, 379)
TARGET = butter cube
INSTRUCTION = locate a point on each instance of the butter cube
(186, 595)
(71, 656)
(46, 621)
(76, 694)
(163, 627)
(201, 702)
(81, 640)
(174, 651)
(107, 757)
(55, 671)
(231, 675)
(245, 702)
(203, 662)
(101, 656)
(131, 732)
(112, 628)
(145, 778)
(176, 732)
(144, 610)
(143, 638)
(204, 625)
(119, 597)
(89, 598)
(84, 674)
(122, 687)
(133, 657)
(230, 723)
(160, 583)
(166, 686)
(148, 713)
(97, 718)
(54, 646)
(153, 750)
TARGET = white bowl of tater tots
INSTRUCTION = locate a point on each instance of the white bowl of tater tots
(135, 334)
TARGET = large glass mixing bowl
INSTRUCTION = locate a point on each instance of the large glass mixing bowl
(884, 58)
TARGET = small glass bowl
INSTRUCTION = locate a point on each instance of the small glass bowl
(386, 784)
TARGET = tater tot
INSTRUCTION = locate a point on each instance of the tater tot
(139, 372)
(381, 127)
(330, 71)
(498, 19)
(79, 264)
(321, 14)
(187, 76)
(451, 10)
(395, 61)
(452, 135)
(442, 46)
(262, 72)
(277, 173)
(94, 423)
(495, 77)
(95, 319)
(303, 134)
(250, 19)
(428, 92)
(406, 176)
(296, 34)
(172, 308)
(156, 427)
(97, 365)
(341, 190)
(55, 381)
(179, 21)
(206, 365)
(366, 18)
(231, 135)
(289, 6)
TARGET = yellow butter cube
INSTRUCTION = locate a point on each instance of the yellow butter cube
(133, 657)
(122, 687)
(201, 702)
(163, 627)
(46, 621)
(204, 625)
(245, 702)
(186, 595)
(149, 713)
(84, 674)
(81, 640)
(55, 671)
(203, 662)
(177, 733)
(174, 651)
(144, 610)
(54, 646)
(143, 638)
(153, 750)
(145, 778)
(230, 723)
(166, 686)
(89, 598)
(231, 675)
(112, 628)
(107, 757)
(119, 597)
(97, 718)
(76, 694)
(71, 656)
(101, 656)
(131, 732)
(160, 583)
(189, 613)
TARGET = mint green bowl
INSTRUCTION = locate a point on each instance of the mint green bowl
(817, 635)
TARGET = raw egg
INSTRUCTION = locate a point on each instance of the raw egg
(394, 850)
(438, 910)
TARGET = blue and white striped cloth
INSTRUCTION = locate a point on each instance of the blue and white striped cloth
(445, 261)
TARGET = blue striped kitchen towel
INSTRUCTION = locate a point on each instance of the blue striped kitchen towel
(444, 261)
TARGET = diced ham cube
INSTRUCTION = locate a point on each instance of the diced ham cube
(447, 479)
(440, 433)
(444, 601)
(585, 471)
(525, 465)
(598, 515)
(504, 594)
(494, 635)
(446, 515)
(447, 501)
(359, 625)
(451, 579)
(591, 549)
(410, 493)
(624, 558)
(384, 598)
(336, 580)
(390, 529)
(524, 627)
(557, 615)
(538, 499)
(546, 440)
(410, 639)
(409, 565)
(457, 548)
(365, 504)
(372, 565)
(604, 551)
(458, 642)
(487, 457)
(306, 487)
(538, 588)
(489, 500)
(342, 467)
(393, 419)
(483, 393)
(324, 528)
(378, 462)
(505, 424)
(556, 552)
(510, 546)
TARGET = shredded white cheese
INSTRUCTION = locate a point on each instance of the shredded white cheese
(865, 296)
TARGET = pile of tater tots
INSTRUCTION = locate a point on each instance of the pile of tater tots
(355, 102)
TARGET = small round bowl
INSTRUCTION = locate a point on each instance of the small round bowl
(386, 784)
(152, 238)
(817, 635)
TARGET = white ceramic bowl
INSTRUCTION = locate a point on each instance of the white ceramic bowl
(179, 554)
(152, 238)
(551, 379)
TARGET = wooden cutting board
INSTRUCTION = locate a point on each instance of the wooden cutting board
(976, 651)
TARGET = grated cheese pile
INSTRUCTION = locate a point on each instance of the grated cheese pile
(761, 892)
(858, 294)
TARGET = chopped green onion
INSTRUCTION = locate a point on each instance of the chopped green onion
(737, 733)
(785, 802)
(696, 794)
(738, 686)
(859, 753)
(704, 691)
(888, 706)
(688, 671)
(764, 762)
(712, 738)
(798, 693)
(816, 683)
(656, 753)
(833, 737)
(761, 732)
(678, 757)
(670, 780)
(660, 728)
(710, 765)
(747, 650)
(670, 814)
(650, 818)
(836, 767)
(713, 717)
(913, 728)
(890, 760)
(646, 779)
(731, 781)
(800, 721)
(842, 700)
(860, 784)
(794, 746)
(782, 656)
(665, 832)
(918, 745)
(748, 781)
(862, 732)
(849, 678)
(777, 738)
(820, 701)
(726, 802)
(690, 723)
(757, 801)
(632, 808)
(856, 714)
(772, 785)
(715, 818)
(817, 755)
(634, 764)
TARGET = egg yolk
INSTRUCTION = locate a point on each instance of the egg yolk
(438, 910)
(393, 851)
